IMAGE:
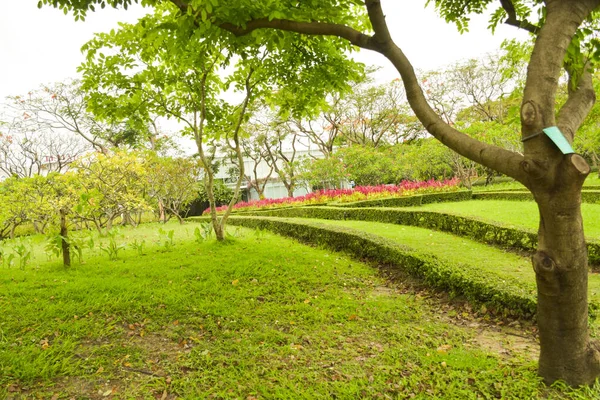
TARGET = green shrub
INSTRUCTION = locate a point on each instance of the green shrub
(515, 195)
(412, 201)
(587, 195)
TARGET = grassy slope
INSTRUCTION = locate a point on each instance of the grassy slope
(458, 250)
(522, 214)
(260, 317)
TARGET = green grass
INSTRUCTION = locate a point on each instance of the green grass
(518, 214)
(457, 250)
(258, 317)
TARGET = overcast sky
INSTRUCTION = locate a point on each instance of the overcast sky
(43, 46)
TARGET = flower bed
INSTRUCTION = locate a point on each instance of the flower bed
(359, 193)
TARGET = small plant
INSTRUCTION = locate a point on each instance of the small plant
(89, 242)
(112, 249)
(23, 250)
(236, 233)
(259, 233)
(8, 260)
(166, 237)
(53, 246)
(203, 232)
(138, 246)
(77, 243)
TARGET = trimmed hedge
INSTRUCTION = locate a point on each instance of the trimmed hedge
(515, 195)
(497, 291)
(481, 231)
(587, 196)
(410, 201)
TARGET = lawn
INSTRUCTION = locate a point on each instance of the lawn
(519, 214)
(258, 317)
(454, 250)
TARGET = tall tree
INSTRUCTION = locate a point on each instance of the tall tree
(562, 40)
(168, 65)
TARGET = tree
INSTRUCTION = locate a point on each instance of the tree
(281, 151)
(172, 183)
(25, 152)
(324, 173)
(13, 194)
(257, 154)
(373, 115)
(110, 186)
(563, 34)
(165, 66)
(62, 109)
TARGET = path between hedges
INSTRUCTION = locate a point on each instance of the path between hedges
(449, 249)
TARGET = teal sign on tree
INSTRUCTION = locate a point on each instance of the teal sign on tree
(559, 139)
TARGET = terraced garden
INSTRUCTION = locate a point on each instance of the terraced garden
(405, 232)
(413, 303)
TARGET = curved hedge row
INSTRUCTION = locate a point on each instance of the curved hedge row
(410, 201)
(481, 231)
(497, 291)
(587, 196)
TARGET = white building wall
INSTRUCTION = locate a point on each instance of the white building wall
(275, 189)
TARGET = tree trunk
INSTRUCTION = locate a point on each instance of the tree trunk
(64, 234)
(12, 230)
(561, 269)
(161, 212)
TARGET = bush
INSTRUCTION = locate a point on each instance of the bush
(411, 201)
(587, 195)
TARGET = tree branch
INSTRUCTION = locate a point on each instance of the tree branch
(355, 37)
(578, 105)
(545, 68)
(497, 158)
(494, 157)
(512, 19)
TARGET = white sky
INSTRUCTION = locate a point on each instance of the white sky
(43, 46)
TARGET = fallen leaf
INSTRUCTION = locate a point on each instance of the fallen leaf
(107, 393)
(13, 388)
(353, 317)
(235, 282)
(100, 370)
(164, 395)
(444, 348)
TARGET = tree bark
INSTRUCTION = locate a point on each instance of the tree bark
(64, 239)
(561, 269)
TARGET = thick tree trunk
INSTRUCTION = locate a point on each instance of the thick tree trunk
(561, 269)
